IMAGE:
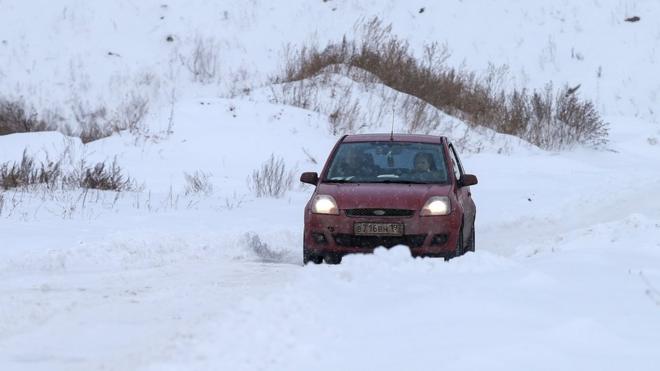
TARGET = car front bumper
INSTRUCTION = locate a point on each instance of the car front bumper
(435, 236)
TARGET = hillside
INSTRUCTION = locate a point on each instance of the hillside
(186, 268)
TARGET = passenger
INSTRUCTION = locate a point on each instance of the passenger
(424, 162)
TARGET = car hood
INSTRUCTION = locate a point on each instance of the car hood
(391, 196)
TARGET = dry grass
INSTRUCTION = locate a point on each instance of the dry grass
(198, 183)
(28, 173)
(97, 122)
(17, 117)
(272, 179)
(548, 118)
(103, 177)
(203, 62)
(93, 123)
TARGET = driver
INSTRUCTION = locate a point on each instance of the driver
(356, 163)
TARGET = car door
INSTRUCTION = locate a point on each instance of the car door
(463, 194)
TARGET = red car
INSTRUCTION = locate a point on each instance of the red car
(386, 190)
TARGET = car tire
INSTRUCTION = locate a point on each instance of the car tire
(472, 244)
(332, 259)
(311, 258)
(459, 245)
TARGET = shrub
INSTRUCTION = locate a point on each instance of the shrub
(131, 113)
(94, 123)
(16, 117)
(548, 119)
(418, 115)
(106, 178)
(94, 131)
(27, 173)
(203, 61)
(97, 123)
(271, 180)
(198, 183)
(344, 117)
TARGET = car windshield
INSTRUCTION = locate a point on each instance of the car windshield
(388, 162)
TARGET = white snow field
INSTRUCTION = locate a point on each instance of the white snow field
(566, 275)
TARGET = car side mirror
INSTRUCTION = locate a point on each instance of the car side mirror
(310, 178)
(468, 180)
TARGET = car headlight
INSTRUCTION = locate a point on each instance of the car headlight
(438, 205)
(324, 204)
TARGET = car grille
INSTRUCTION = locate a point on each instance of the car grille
(350, 240)
(379, 212)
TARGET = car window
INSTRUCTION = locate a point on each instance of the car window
(456, 164)
(388, 162)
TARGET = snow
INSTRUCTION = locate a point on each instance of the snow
(484, 311)
(567, 269)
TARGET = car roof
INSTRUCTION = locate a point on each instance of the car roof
(418, 138)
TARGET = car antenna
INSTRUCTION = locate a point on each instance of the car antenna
(392, 132)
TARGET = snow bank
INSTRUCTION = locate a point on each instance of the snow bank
(354, 106)
(387, 311)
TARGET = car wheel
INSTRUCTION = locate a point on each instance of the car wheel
(472, 244)
(332, 259)
(459, 244)
(311, 258)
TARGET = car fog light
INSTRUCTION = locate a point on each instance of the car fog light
(439, 239)
(319, 238)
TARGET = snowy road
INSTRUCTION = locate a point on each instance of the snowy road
(123, 320)
(576, 308)
(566, 276)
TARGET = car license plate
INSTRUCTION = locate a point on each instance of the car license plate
(378, 229)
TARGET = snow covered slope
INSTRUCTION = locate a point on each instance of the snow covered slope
(567, 269)
(69, 53)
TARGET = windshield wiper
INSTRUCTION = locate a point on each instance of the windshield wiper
(338, 181)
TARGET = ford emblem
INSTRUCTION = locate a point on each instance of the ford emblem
(379, 212)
